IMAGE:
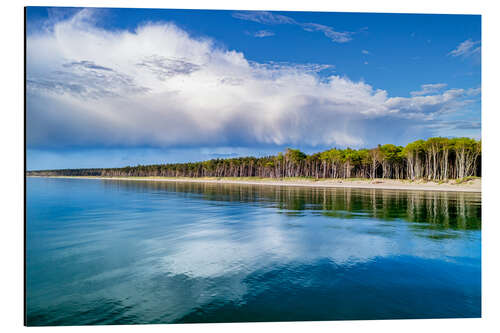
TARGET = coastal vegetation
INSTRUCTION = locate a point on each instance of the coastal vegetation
(435, 159)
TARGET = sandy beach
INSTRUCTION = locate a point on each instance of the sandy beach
(472, 185)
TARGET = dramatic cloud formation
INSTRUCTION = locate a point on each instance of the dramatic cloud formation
(159, 87)
(272, 19)
(467, 49)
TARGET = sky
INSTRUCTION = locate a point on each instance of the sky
(117, 87)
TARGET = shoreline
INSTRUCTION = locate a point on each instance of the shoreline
(473, 185)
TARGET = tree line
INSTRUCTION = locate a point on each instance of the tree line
(433, 159)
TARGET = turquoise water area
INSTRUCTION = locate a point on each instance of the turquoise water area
(139, 252)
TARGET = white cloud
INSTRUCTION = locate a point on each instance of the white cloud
(466, 49)
(273, 19)
(427, 89)
(262, 33)
(473, 91)
(264, 17)
(365, 52)
(429, 106)
(335, 36)
(159, 87)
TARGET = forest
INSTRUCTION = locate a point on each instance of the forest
(435, 159)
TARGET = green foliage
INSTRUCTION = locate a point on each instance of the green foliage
(435, 159)
(295, 155)
(465, 179)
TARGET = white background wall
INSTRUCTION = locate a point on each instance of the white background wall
(11, 157)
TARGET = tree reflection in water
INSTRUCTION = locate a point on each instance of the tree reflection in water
(434, 209)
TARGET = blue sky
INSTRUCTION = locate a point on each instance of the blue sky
(116, 87)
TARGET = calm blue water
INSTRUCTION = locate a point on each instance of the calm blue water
(131, 252)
